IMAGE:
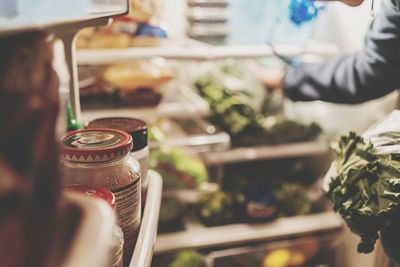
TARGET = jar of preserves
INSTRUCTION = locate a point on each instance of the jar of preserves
(138, 130)
(117, 242)
(100, 157)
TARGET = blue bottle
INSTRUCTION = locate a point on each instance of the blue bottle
(295, 21)
(294, 24)
(281, 21)
(303, 11)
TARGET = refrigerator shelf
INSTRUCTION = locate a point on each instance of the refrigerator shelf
(185, 105)
(280, 151)
(195, 134)
(208, 15)
(143, 252)
(192, 196)
(322, 250)
(208, 3)
(195, 50)
(197, 236)
(199, 143)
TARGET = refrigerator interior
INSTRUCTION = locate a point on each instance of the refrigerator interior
(216, 166)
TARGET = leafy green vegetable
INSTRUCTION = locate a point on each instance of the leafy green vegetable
(366, 189)
(231, 111)
(156, 134)
(216, 208)
(170, 211)
(187, 258)
(281, 130)
(238, 110)
(293, 200)
(178, 168)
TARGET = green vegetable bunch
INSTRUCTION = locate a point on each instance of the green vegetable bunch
(277, 130)
(187, 258)
(366, 189)
(230, 111)
(170, 211)
(285, 131)
(178, 168)
(237, 107)
(293, 200)
(216, 208)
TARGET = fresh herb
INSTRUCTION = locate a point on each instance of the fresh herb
(366, 189)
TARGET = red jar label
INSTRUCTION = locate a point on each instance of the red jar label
(128, 212)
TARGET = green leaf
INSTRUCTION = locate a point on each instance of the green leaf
(366, 190)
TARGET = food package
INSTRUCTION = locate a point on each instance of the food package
(140, 28)
(144, 10)
(131, 84)
(98, 38)
(137, 74)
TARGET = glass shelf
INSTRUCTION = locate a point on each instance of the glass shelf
(198, 236)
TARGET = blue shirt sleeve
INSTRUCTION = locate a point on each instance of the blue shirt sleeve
(368, 74)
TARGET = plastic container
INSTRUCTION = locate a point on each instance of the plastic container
(88, 240)
(294, 22)
(257, 21)
(138, 130)
(100, 157)
(117, 242)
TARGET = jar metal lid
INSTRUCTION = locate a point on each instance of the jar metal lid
(95, 145)
(93, 192)
(135, 127)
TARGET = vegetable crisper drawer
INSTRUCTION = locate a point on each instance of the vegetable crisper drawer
(304, 252)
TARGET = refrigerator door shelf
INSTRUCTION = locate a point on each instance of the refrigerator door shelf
(92, 236)
(143, 253)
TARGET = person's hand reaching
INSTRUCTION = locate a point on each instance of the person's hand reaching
(272, 78)
(348, 2)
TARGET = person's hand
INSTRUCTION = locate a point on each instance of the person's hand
(352, 2)
(270, 77)
(349, 2)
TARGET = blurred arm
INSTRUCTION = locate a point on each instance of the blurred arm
(369, 74)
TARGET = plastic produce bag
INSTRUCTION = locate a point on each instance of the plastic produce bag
(385, 134)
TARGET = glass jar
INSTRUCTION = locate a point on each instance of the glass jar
(100, 157)
(138, 130)
(117, 241)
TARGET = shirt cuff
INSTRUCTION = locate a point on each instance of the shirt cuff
(291, 83)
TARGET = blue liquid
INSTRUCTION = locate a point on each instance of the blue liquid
(280, 21)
